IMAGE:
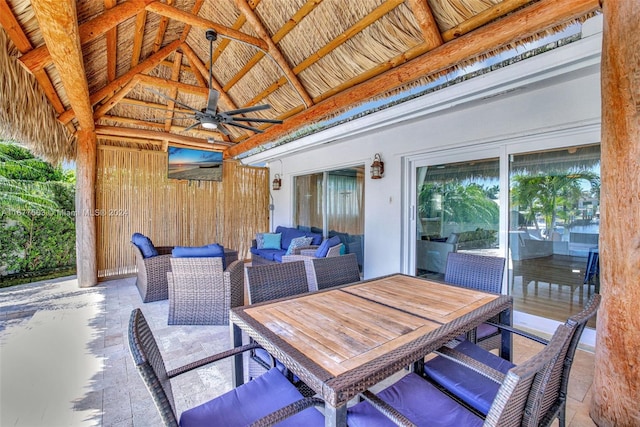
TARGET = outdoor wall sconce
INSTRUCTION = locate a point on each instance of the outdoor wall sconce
(377, 167)
(277, 182)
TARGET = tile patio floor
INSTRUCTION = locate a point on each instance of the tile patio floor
(64, 358)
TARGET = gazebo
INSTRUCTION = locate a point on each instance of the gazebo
(113, 85)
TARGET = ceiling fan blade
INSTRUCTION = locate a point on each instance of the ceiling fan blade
(256, 120)
(196, 124)
(248, 109)
(212, 102)
(223, 130)
(171, 99)
(240, 125)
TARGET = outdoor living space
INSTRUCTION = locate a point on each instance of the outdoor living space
(66, 360)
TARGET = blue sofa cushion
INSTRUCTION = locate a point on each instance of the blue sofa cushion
(418, 400)
(144, 244)
(272, 240)
(208, 251)
(471, 387)
(288, 234)
(317, 238)
(324, 247)
(268, 254)
(251, 401)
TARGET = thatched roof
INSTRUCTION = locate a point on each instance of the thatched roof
(309, 60)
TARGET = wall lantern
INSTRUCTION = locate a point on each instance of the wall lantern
(377, 167)
(277, 182)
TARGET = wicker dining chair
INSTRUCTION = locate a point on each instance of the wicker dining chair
(478, 392)
(201, 292)
(522, 395)
(483, 273)
(263, 401)
(267, 282)
(335, 271)
(151, 279)
(307, 256)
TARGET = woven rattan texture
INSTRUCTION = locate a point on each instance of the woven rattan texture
(152, 274)
(335, 271)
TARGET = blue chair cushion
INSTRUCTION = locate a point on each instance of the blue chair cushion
(418, 400)
(485, 330)
(272, 240)
(250, 402)
(208, 251)
(322, 251)
(471, 387)
(144, 244)
(269, 254)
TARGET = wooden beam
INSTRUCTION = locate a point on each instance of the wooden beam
(90, 30)
(173, 92)
(518, 25)
(112, 45)
(13, 29)
(194, 11)
(134, 122)
(275, 53)
(158, 136)
(487, 15)
(168, 84)
(162, 28)
(141, 20)
(57, 21)
(196, 21)
(426, 21)
(616, 383)
(113, 100)
(115, 85)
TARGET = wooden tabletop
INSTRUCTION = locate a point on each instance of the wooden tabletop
(342, 341)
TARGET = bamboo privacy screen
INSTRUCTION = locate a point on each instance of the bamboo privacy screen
(133, 194)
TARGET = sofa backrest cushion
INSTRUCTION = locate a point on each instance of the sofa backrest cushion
(208, 251)
(144, 244)
(324, 247)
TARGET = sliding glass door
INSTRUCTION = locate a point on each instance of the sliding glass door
(332, 203)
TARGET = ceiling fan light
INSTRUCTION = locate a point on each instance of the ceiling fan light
(208, 124)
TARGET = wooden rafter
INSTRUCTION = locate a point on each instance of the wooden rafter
(426, 21)
(162, 28)
(112, 45)
(168, 84)
(39, 57)
(115, 85)
(194, 11)
(113, 100)
(518, 25)
(141, 20)
(196, 21)
(158, 136)
(173, 92)
(275, 53)
(488, 15)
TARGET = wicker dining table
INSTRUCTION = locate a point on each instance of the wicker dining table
(344, 340)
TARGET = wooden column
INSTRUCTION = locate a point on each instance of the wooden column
(616, 385)
(86, 244)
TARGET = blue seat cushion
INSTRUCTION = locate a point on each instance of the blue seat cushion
(250, 402)
(476, 390)
(263, 355)
(485, 330)
(322, 251)
(144, 244)
(418, 400)
(269, 254)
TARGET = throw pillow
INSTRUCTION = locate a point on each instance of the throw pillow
(272, 240)
(260, 240)
(298, 242)
(145, 245)
(324, 247)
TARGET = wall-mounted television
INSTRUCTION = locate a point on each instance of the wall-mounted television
(196, 165)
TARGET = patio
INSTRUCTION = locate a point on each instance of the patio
(78, 370)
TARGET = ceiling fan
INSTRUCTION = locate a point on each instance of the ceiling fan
(209, 117)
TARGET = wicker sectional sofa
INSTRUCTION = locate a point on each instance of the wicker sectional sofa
(261, 256)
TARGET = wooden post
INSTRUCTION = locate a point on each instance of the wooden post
(616, 385)
(86, 245)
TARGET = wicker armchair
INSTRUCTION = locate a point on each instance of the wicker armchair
(478, 392)
(483, 273)
(254, 402)
(523, 394)
(201, 292)
(307, 255)
(267, 282)
(152, 274)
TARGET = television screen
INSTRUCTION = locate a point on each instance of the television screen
(200, 165)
